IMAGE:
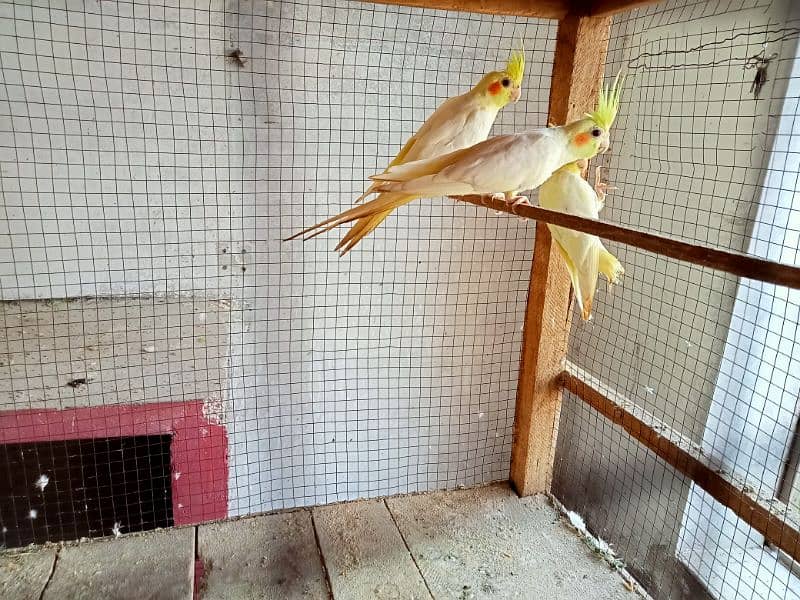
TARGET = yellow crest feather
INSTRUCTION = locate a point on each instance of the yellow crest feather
(607, 104)
(516, 66)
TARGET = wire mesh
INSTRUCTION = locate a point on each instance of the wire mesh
(153, 155)
(703, 153)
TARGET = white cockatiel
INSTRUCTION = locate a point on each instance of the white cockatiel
(568, 192)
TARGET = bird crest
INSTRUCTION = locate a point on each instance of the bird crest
(607, 104)
(516, 66)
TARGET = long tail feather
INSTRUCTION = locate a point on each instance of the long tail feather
(368, 215)
(587, 275)
(370, 190)
(360, 230)
(583, 277)
(383, 202)
(573, 276)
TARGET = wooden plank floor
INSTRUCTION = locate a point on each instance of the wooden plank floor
(462, 545)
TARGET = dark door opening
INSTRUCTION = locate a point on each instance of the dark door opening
(65, 490)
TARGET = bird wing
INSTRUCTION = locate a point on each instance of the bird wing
(499, 164)
(437, 134)
(509, 162)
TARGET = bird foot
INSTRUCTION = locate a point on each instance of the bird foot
(515, 201)
(601, 187)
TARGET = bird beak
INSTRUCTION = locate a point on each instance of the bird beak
(604, 146)
(515, 94)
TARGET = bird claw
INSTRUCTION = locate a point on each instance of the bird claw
(519, 201)
(516, 201)
(601, 187)
(511, 200)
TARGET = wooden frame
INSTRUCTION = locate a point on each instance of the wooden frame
(546, 9)
(772, 517)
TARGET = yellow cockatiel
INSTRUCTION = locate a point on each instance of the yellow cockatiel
(567, 191)
(458, 123)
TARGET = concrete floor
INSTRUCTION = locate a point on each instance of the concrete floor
(466, 544)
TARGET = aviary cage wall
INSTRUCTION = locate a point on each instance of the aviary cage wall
(149, 173)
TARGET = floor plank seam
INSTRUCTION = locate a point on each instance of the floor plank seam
(321, 555)
(50, 575)
(410, 553)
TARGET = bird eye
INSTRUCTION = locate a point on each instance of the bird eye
(597, 132)
(506, 82)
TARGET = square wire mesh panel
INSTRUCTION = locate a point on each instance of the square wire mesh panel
(98, 485)
(703, 153)
(395, 368)
(148, 178)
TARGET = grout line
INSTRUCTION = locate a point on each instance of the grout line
(321, 555)
(52, 572)
(411, 554)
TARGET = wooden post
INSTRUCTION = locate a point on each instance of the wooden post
(578, 68)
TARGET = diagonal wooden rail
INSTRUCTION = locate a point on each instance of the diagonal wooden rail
(776, 521)
(736, 263)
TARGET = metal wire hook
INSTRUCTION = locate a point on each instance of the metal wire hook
(759, 62)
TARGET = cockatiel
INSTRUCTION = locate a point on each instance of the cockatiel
(567, 191)
(458, 123)
(500, 166)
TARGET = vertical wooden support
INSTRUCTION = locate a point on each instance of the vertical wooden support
(577, 72)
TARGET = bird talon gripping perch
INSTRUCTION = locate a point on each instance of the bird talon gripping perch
(519, 201)
(516, 201)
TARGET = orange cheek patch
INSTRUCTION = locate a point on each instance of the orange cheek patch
(582, 139)
(495, 88)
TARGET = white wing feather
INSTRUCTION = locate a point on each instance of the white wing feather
(459, 122)
(500, 164)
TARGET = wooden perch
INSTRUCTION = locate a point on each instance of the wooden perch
(547, 9)
(604, 8)
(777, 522)
(736, 263)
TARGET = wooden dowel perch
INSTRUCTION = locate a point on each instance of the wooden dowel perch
(777, 522)
(729, 261)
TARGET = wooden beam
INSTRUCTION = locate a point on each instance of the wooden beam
(581, 45)
(777, 522)
(736, 263)
(606, 8)
(546, 9)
